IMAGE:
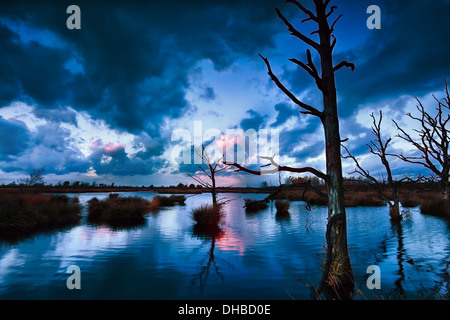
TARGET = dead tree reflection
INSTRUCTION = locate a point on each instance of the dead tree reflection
(209, 262)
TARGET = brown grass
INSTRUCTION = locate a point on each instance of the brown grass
(163, 201)
(118, 211)
(207, 215)
(282, 206)
(252, 206)
(362, 199)
(436, 206)
(21, 214)
(208, 220)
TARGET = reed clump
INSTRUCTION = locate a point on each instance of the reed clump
(362, 199)
(436, 206)
(22, 213)
(252, 206)
(117, 211)
(207, 215)
(163, 201)
(282, 206)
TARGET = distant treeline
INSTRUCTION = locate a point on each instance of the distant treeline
(290, 183)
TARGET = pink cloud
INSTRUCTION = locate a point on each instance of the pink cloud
(108, 147)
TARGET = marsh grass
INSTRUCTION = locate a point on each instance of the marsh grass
(410, 203)
(282, 206)
(252, 206)
(207, 215)
(361, 199)
(22, 214)
(435, 206)
(118, 211)
(163, 201)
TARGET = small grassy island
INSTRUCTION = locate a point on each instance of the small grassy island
(118, 211)
(22, 214)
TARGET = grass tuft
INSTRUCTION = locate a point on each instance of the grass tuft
(118, 211)
(22, 214)
(163, 201)
(282, 206)
(254, 205)
(207, 215)
(436, 206)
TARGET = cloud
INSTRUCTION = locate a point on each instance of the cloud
(255, 121)
(406, 56)
(208, 94)
(285, 112)
(124, 78)
(136, 75)
(15, 138)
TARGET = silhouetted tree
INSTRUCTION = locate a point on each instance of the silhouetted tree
(36, 177)
(378, 147)
(214, 168)
(337, 280)
(433, 142)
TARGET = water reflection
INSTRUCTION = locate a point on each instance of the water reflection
(250, 257)
(282, 216)
(207, 235)
(398, 229)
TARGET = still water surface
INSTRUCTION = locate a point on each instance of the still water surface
(258, 256)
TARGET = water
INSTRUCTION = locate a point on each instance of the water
(259, 256)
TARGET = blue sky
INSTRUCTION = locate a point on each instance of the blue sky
(101, 103)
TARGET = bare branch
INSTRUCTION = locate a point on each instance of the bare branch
(334, 23)
(297, 33)
(311, 15)
(331, 11)
(278, 168)
(303, 105)
(203, 183)
(344, 64)
(333, 44)
(310, 68)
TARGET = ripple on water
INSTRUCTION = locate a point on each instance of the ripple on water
(258, 256)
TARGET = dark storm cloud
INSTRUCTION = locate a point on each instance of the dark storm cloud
(285, 112)
(254, 121)
(14, 138)
(135, 56)
(59, 115)
(408, 55)
(289, 139)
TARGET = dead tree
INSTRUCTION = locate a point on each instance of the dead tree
(378, 147)
(36, 177)
(433, 141)
(337, 279)
(214, 168)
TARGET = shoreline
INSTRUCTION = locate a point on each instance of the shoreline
(162, 190)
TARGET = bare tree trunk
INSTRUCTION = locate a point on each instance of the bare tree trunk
(394, 211)
(445, 186)
(213, 188)
(394, 207)
(337, 281)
